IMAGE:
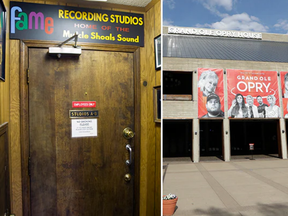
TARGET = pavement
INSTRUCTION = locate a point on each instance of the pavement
(241, 187)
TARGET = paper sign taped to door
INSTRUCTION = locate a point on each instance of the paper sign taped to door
(84, 127)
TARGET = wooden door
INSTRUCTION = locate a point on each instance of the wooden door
(80, 176)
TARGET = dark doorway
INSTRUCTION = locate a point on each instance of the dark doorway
(264, 135)
(177, 138)
(211, 138)
(177, 82)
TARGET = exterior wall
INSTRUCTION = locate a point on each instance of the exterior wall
(265, 36)
(189, 109)
(150, 158)
(274, 37)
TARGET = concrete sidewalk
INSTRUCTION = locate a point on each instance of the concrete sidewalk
(240, 187)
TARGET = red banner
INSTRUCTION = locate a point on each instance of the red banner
(210, 93)
(83, 104)
(284, 88)
(252, 94)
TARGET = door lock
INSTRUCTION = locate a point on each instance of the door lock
(128, 133)
(127, 177)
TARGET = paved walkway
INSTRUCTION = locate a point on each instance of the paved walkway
(241, 187)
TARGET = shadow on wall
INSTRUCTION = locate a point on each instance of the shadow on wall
(259, 209)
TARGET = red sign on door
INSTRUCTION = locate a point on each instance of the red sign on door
(83, 104)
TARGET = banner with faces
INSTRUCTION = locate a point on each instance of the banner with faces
(210, 93)
(251, 93)
(284, 88)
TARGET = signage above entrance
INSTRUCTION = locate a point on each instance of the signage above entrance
(58, 23)
(214, 32)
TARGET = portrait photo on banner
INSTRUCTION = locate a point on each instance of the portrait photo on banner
(210, 93)
(252, 94)
(284, 88)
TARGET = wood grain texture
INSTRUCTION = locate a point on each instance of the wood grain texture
(51, 3)
(138, 129)
(158, 18)
(14, 132)
(158, 168)
(151, 123)
(151, 146)
(121, 10)
(72, 5)
(5, 86)
(3, 201)
(150, 182)
(42, 133)
(158, 78)
(61, 3)
(33, 1)
(89, 171)
(144, 127)
(24, 128)
(151, 5)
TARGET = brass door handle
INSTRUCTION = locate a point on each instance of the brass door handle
(129, 162)
(128, 133)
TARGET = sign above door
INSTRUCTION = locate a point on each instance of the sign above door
(30, 21)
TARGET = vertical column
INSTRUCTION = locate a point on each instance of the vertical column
(283, 138)
(195, 126)
(226, 123)
(195, 123)
(282, 122)
(196, 143)
(226, 137)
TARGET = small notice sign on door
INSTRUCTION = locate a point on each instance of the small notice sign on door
(84, 127)
(83, 104)
(83, 113)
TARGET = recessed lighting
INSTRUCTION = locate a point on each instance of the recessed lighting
(97, 0)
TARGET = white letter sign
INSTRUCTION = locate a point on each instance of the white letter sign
(84, 127)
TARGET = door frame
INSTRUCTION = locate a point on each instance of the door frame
(24, 111)
(4, 133)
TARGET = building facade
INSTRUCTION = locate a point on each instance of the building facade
(245, 64)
